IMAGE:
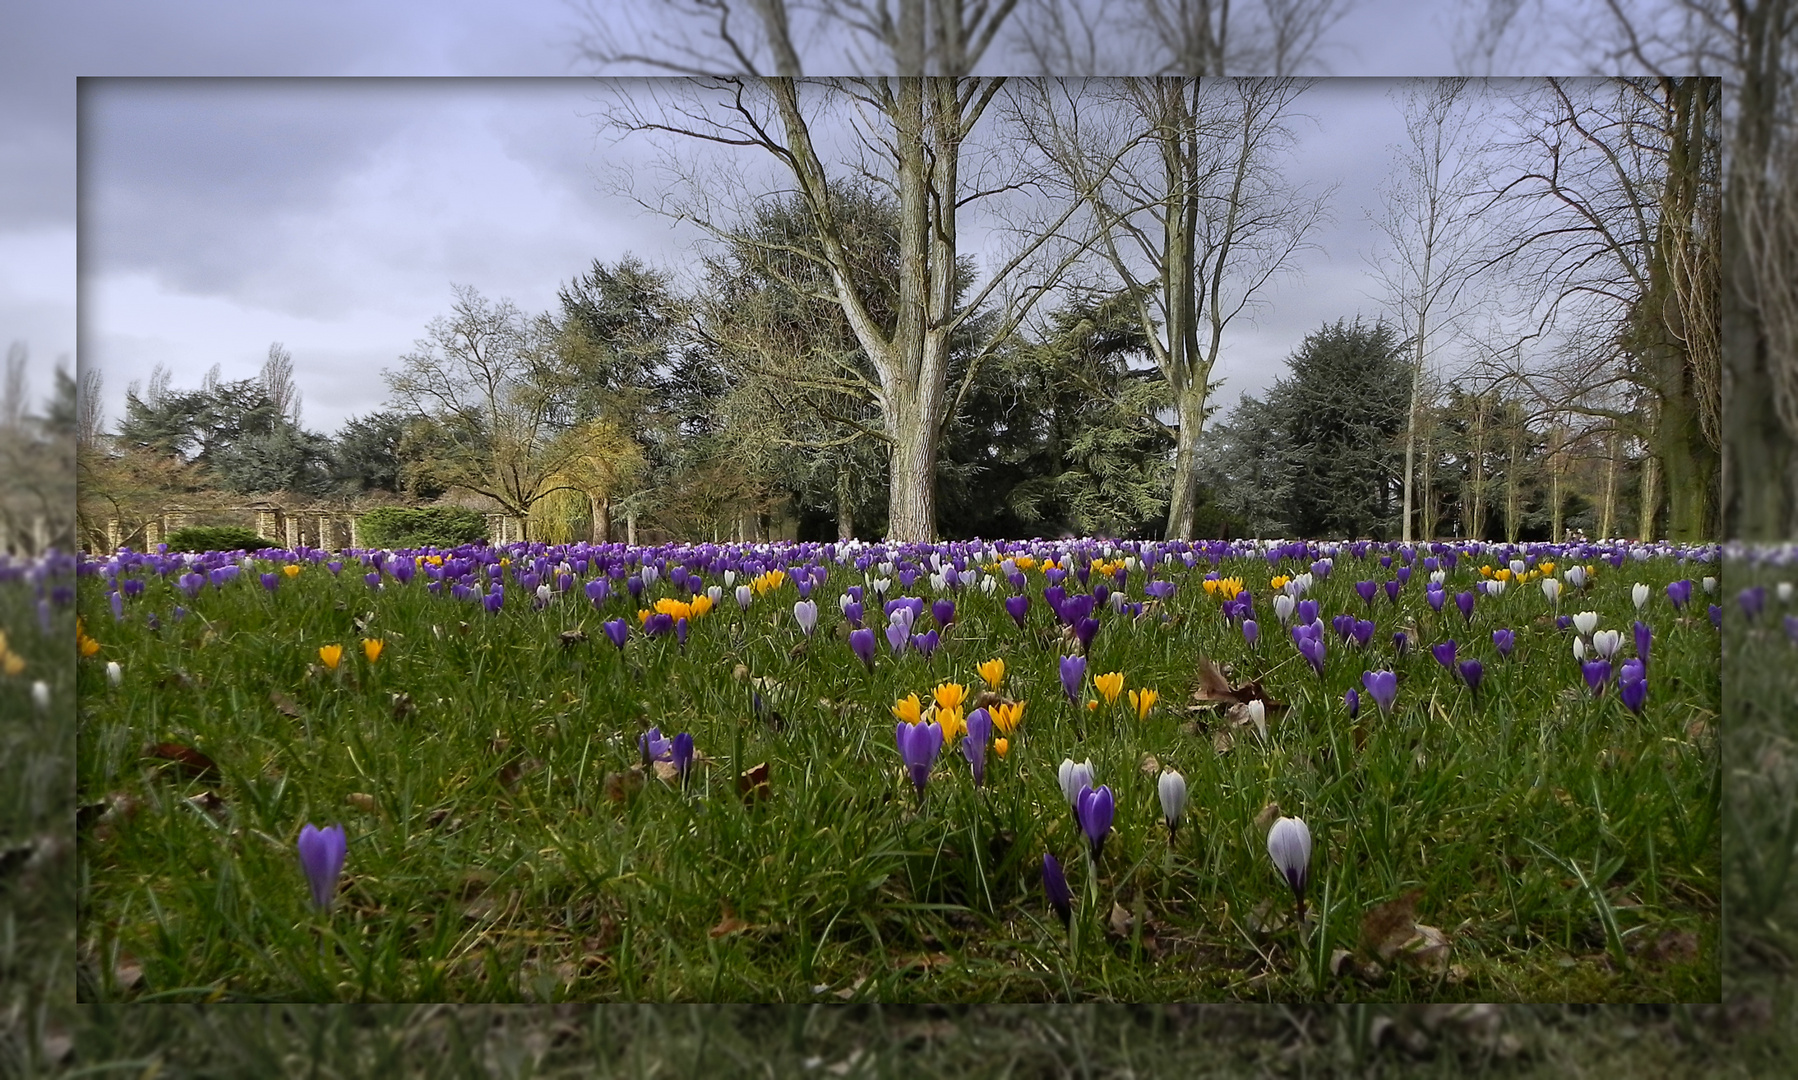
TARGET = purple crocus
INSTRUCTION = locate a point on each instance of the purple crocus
(1435, 595)
(943, 611)
(861, 643)
(1393, 586)
(493, 600)
(1752, 600)
(918, 747)
(1504, 641)
(1085, 628)
(680, 631)
(852, 613)
(1160, 590)
(1644, 638)
(1055, 884)
(1312, 649)
(1633, 693)
(1362, 632)
(925, 643)
(372, 579)
(1289, 846)
(974, 743)
(1383, 686)
(1368, 590)
(1251, 632)
(1716, 613)
(1445, 653)
(618, 630)
(1791, 623)
(1307, 611)
(658, 624)
(1353, 701)
(1017, 607)
(597, 590)
(1472, 671)
(1401, 643)
(1464, 601)
(1680, 593)
(1073, 673)
(1095, 810)
(683, 756)
(269, 581)
(1597, 673)
(655, 747)
(322, 852)
(897, 635)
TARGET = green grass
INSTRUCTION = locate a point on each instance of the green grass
(1561, 843)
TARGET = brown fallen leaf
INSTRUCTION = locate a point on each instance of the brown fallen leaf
(729, 924)
(284, 705)
(1215, 691)
(208, 803)
(1150, 766)
(1121, 922)
(753, 784)
(187, 761)
(926, 961)
(1222, 741)
(362, 801)
(620, 786)
(1268, 815)
(1387, 926)
(667, 773)
(571, 638)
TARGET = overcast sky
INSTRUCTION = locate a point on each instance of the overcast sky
(333, 215)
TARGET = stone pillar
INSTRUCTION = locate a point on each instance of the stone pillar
(152, 534)
(355, 531)
(326, 542)
(175, 519)
(114, 535)
(268, 523)
(293, 533)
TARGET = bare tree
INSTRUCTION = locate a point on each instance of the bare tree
(1185, 182)
(90, 409)
(1431, 224)
(12, 391)
(277, 380)
(1175, 37)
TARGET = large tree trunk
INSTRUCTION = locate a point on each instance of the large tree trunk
(630, 526)
(845, 504)
(1607, 518)
(1428, 491)
(601, 507)
(1555, 465)
(1183, 499)
(1651, 498)
(1514, 487)
(1476, 520)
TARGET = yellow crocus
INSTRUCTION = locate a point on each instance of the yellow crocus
(1002, 746)
(1503, 573)
(87, 645)
(643, 615)
(1025, 562)
(1279, 582)
(993, 671)
(673, 608)
(1485, 571)
(291, 570)
(1547, 567)
(13, 663)
(331, 655)
(371, 648)
(950, 695)
(1006, 715)
(1110, 685)
(1143, 701)
(908, 708)
(954, 727)
(699, 605)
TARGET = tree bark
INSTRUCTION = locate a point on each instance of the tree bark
(1555, 465)
(630, 527)
(601, 507)
(1651, 498)
(1514, 486)
(1607, 519)
(845, 505)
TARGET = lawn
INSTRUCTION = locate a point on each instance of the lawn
(1531, 838)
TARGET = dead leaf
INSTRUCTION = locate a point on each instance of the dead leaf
(729, 924)
(571, 638)
(926, 961)
(1215, 691)
(512, 773)
(1222, 741)
(362, 801)
(620, 786)
(498, 744)
(753, 784)
(1121, 922)
(1387, 926)
(190, 763)
(667, 773)
(127, 973)
(1150, 766)
(1268, 815)
(402, 706)
(208, 803)
(284, 704)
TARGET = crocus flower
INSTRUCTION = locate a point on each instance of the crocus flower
(654, 747)
(852, 612)
(617, 630)
(1633, 693)
(373, 579)
(1716, 614)
(1362, 631)
(1055, 884)
(1289, 845)
(597, 590)
(743, 594)
(1084, 630)
(925, 643)
(1639, 593)
(683, 756)
(861, 643)
(1073, 776)
(1383, 686)
(1141, 701)
(1016, 607)
(1353, 701)
(371, 648)
(1445, 653)
(1791, 624)
(1251, 631)
(1109, 685)
(115, 675)
(1606, 643)
(1644, 638)
(1504, 641)
(1258, 716)
(805, 613)
(1752, 601)
(269, 581)
(1586, 622)
(1597, 673)
(897, 636)
(1401, 643)
(1464, 601)
(919, 745)
(1435, 595)
(1367, 590)
(973, 746)
(1307, 611)
(1160, 590)
(1073, 673)
(992, 671)
(1472, 671)
(1551, 588)
(1680, 593)
(322, 853)
(330, 655)
(40, 695)
(494, 599)
(1095, 810)
(943, 611)
(1172, 789)
(1284, 606)
(1312, 649)
(658, 623)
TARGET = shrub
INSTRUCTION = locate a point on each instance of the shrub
(218, 538)
(425, 526)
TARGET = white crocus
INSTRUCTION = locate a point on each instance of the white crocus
(743, 597)
(730, 578)
(1639, 593)
(1551, 588)
(1576, 576)
(543, 593)
(651, 575)
(40, 695)
(1258, 716)
(1586, 622)
(1606, 643)
(1784, 591)
(1579, 648)
(988, 584)
(1075, 776)
(881, 585)
(1438, 576)
(1289, 845)
(1172, 787)
(1496, 587)
(1518, 566)
(114, 673)
(1710, 584)
(714, 594)
(1284, 606)
(844, 601)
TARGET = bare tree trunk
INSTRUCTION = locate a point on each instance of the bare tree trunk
(1651, 497)
(1513, 487)
(1555, 465)
(630, 526)
(1428, 490)
(1607, 518)
(601, 507)
(1476, 522)
(845, 505)
(1184, 497)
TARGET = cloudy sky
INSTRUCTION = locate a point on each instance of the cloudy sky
(333, 214)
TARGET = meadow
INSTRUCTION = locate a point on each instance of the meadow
(1507, 823)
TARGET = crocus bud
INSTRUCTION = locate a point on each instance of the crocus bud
(1074, 776)
(1258, 716)
(322, 853)
(1289, 845)
(1586, 622)
(1172, 788)
(114, 674)
(1639, 594)
(1055, 884)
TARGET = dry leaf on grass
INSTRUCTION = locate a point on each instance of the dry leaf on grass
(729, 924)
(620, 786)
(284, 705)
(753, 784)
(187, 761)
